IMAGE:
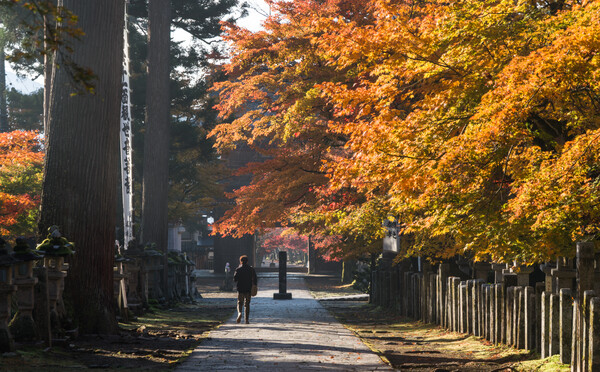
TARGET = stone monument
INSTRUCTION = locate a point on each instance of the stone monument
(283, 294)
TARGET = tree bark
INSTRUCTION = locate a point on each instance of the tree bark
(81, 167)
(48, 70)
(3, 107)
(156, 137)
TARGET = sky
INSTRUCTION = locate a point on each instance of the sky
(23, 85)
(257, 13)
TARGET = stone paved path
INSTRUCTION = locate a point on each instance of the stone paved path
(283, 335)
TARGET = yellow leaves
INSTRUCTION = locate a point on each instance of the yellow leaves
(474, 121)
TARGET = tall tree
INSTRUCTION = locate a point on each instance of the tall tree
(192, 161)
(157, 133)
(81, 167)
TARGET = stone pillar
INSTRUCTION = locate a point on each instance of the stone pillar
(394, 289)
(519, 318)
(498, 272)
(455, 303)
(469, 306)
(7, 289)
(510, 281)
(282, 294)
(566, 325)
(56, 279)
(585, 267)
(554, 322)
(432, 298)
(400, 286)
(416, 296)
(547, 269)
(380, 285)
(497, 313)
(501, 311)
(22, 326)
(539, 289)
(463, 307)
(585, 335)
(481, 308)
(424, 287)
(594, 349)
(475, 308)
(530, 310)
(134, 299)
(406, 299)
(523, 273)
(481, 270)
(374, 287)
(493, 314)
(486, 311)
(545, 341)
(387, 296)
(563, 275)
(41, 308)
(450, 300)
(575, 349)
(510, 312)
(443, 272)
(585, 282)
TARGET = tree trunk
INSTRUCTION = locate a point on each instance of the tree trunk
(3, 108)
(81, 167)
(156, 137)
(48, 70)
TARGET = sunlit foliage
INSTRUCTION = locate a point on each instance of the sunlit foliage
(475, 123)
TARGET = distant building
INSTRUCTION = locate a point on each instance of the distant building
(197, 248)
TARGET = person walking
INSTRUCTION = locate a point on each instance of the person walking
(245, 277)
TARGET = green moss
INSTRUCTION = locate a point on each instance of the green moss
(551, 364)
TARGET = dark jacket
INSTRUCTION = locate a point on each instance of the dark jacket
(245, 276)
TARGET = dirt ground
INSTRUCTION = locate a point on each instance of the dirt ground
(409, 345)
(156, 341)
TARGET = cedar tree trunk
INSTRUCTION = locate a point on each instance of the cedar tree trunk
(156, 137)
(81, 167)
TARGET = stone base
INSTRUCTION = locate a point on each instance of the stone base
(23, 328)
(6, 341)
(282, 296)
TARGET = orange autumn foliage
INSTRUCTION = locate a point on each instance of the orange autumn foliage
(21, 162)
(476, 123)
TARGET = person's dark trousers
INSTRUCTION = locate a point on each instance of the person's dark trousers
(243, 302)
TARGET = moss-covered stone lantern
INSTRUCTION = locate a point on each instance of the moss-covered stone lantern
(7, 288)
(22, 326)
(55, 248)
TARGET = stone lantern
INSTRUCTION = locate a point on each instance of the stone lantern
(137, 281)
(189, 279)
(55, 248)
(7, 288)
(22, 326)
(153, 261)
